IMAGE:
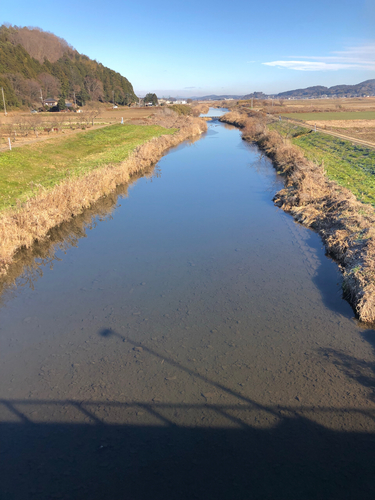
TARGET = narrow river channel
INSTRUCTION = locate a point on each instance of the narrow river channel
(193, 345)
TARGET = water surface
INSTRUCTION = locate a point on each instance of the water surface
(195, 344)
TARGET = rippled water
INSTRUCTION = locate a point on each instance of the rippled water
(194, 344)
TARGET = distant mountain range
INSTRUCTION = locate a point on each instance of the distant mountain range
(361, 89)
(214, 97)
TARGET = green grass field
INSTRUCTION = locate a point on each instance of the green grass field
(288, 129)
(47, 163)
(340, 115)
(350, 166)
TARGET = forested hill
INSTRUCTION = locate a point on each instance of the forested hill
(34, 63)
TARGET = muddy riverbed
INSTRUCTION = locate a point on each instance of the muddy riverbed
(194, 344)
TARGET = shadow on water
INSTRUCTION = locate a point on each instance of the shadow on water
(29, 263)
(328, 280)
(369, 336)
(326, 277)
(360, 370)
(100, 458)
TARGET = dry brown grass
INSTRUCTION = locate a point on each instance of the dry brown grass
(29, 263)
(285, 106)
(235, 118)
(31, 221)
(107, 114)
(200, 109)
(346, 225)
(343, 123)
(322, 105)
(356, 129)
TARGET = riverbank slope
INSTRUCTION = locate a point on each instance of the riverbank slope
(346, 225)
(83, 180)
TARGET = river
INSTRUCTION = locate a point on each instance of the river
(192, 343)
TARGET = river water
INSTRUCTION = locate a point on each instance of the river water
(191, 343)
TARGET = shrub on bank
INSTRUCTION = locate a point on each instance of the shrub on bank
(182, 109)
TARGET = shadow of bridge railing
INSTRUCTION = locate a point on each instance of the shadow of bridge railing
(38, 411)
(88, 456)
(138, 450)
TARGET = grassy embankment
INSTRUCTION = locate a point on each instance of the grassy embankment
(47, 183)
(48, 163)
(351, 166)
(346, 225)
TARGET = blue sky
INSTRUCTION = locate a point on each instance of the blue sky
(208, 47)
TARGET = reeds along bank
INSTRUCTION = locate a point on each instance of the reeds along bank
(346, 225)
(31, 221)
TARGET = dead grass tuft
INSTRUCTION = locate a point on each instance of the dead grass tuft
(198, 109)
(234, 118)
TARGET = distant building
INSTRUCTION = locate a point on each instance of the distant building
(50, 102)
(180, 102)
(53, 102)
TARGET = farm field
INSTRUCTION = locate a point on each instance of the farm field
(340, 104)
(307, 106)
(352, 124)
(23, 127)
(353, 129)
(349, 165)
(111, 115)
(333, 115)
(47, 163)
(353, 118)
(106, 113)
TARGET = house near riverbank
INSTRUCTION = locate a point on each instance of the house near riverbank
(50, 102)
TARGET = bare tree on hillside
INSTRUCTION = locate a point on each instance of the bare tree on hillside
(51, 85)
(33, 91)
(95, 88)
(40, 44)
(26, 90)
